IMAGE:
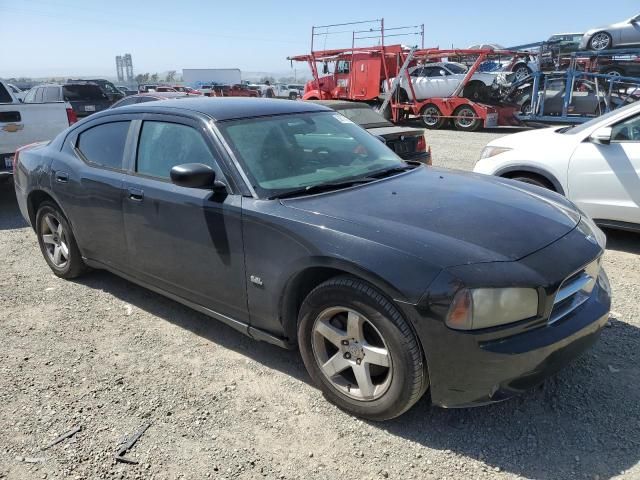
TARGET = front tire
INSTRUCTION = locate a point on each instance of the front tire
(359, 350)
(57, 242)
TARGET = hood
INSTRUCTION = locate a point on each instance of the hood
(537, 137)
(447, 218)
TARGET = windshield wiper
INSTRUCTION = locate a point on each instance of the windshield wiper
(321, 187)
(327, 187)
(390, 171)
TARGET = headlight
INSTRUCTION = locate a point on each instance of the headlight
(591, 230)
(489, 307)
(489, 151)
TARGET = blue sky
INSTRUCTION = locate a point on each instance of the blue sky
(82, 37)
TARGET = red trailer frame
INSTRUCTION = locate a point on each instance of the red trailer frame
(466, 113)
(371, 67)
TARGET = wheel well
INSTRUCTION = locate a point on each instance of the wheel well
(34, 201)
(538, 176)
(297, 290)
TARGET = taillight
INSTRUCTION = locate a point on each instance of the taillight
(71, 116)
(421, 146)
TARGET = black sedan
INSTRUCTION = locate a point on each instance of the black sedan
(409, 143)
(297, 228)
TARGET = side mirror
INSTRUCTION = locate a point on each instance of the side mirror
(601, 136)
(193, 175)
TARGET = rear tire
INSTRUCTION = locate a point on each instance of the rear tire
(57, 242)
(431, 117)
(468, 121)
(359, 349)
(600, 41)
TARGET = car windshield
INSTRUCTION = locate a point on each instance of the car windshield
(83, 92)
(585, 126)
(287, 153)
(365, 117)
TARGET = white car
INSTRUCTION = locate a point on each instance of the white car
(596, 165)
(441, 79)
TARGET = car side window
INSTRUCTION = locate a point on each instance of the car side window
(627, 131)
(103, 145)
(39, 95)
(163, 145)
(51, 94)
(418, 72)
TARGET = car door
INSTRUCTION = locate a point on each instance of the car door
(604, 180)
(87, 180)
(430, 83)
(185, 241)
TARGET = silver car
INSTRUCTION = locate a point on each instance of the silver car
(617, 35)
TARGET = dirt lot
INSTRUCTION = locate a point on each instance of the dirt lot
(106, 355)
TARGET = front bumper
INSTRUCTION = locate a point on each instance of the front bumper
(469, 368)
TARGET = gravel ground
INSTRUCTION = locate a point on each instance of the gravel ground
(108, 356)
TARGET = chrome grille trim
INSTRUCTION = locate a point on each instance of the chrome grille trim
(574, 291)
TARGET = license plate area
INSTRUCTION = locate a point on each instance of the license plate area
(90, 108)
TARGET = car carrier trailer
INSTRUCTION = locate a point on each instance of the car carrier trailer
(371, 74)
(607, 91)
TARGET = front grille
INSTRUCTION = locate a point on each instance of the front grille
(574, 291)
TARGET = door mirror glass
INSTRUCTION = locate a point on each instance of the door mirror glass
(601, 136)
(193, 175)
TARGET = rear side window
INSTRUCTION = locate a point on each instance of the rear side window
(82, 92)
(51, 94)
(4, 95)
(103, 145)
(163, 145)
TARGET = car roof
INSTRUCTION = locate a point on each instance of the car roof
(229, 108)
(339, 104)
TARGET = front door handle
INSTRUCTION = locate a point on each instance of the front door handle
(62, 177)
(135, 194)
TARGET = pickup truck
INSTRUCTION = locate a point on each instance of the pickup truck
(25, 123)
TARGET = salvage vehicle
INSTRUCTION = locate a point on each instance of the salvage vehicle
(148, 97)
(84, 98)
(586, 98)
(26, 123)
(442, 79)
(408, 143)
(109, 89)
(236, 90)
(185, 89)
(17, 93)
(297, 228)
(618, 35)
(596, 165)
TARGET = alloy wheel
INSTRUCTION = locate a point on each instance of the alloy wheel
(466, 117)
(352, 354)
(600, 41)
(55, 240)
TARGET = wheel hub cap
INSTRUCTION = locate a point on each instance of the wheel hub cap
(352, 354)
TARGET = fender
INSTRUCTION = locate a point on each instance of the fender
(316, 95)
(291, 283)
(535, 170)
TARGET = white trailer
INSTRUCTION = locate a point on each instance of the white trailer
(197, 77)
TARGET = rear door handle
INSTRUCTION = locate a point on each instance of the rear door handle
(62, 177)
(135, 194)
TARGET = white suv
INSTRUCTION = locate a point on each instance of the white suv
(596, 165)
